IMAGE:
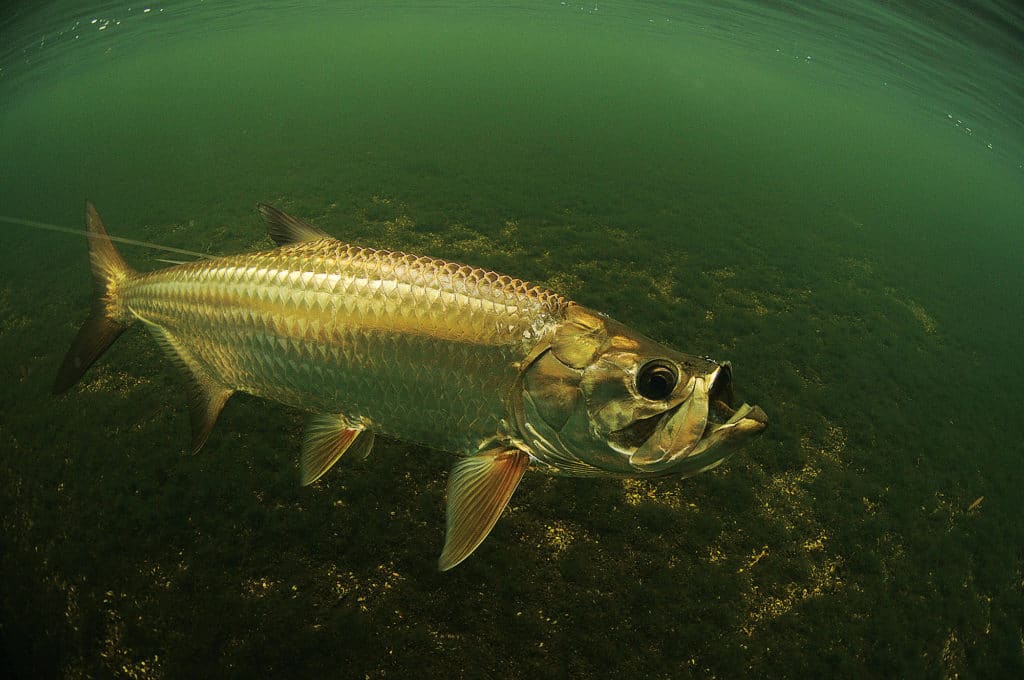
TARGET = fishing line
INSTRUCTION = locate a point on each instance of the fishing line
(119, 239)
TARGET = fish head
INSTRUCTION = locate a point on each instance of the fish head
(599, 398)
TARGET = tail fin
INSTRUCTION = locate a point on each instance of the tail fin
(101, 329)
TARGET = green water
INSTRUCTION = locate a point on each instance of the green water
(832, 199)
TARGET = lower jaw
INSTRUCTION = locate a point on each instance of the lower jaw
(746, 420)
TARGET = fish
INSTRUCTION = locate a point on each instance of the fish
(506, 375)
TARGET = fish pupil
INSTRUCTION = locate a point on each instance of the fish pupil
(656, 380)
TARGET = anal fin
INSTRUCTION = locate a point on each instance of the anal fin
(205, 402)
(206, 397)
(479, 488)
(326, 440)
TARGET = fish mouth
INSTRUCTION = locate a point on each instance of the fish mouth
(693, 436)
(720, 396)
(721, 411)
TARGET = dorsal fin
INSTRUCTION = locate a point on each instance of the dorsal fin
(285, 229)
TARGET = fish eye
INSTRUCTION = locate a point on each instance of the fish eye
(656, 380)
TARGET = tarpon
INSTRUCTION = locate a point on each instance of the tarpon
(369, 342)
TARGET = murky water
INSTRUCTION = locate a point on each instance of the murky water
(829, 197)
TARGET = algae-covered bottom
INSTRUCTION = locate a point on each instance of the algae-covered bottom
(125, 557)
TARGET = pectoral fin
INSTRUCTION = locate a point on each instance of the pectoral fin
(479, 488)
(327, 438)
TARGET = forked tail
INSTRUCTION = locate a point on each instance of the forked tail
(102, 327)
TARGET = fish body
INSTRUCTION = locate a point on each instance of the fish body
(372, 342)
(415, 348)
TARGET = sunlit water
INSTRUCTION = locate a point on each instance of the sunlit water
(828, 195)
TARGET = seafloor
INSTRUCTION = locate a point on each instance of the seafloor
(851, 539)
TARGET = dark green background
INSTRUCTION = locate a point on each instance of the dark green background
(782, 189)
